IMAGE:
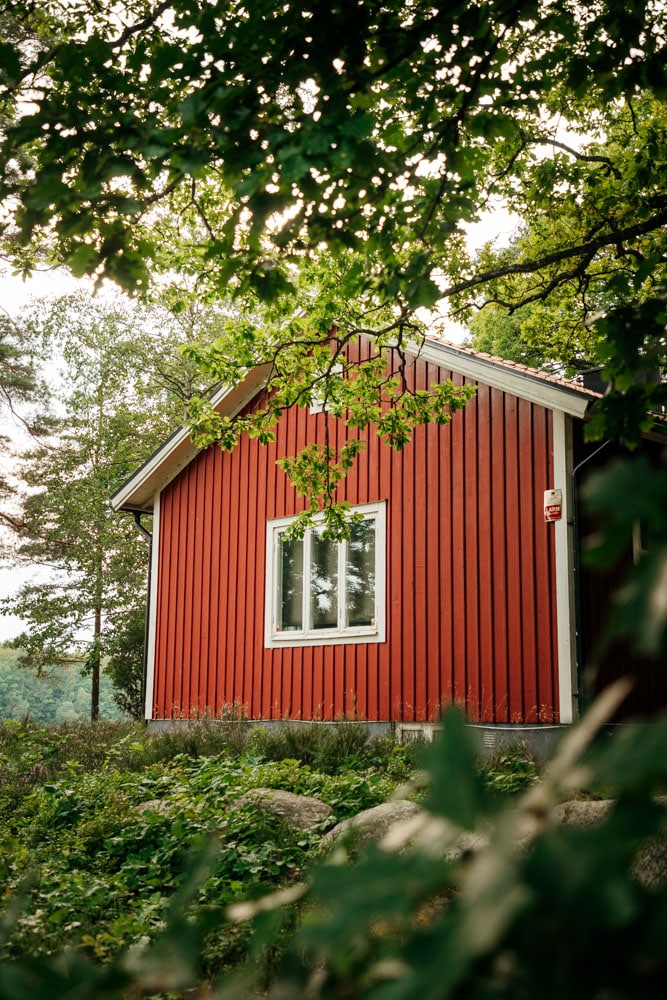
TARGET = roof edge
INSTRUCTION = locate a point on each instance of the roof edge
(138, 492)
(548, 391)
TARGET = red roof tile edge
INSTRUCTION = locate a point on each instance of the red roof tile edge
(565, 383)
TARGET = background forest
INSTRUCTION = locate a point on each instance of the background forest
(105, 381)
(61, 696)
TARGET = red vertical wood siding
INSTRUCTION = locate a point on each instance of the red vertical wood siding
(470, 599)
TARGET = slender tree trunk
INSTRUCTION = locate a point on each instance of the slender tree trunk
(97, 633)
(99, 585)
(95, 669)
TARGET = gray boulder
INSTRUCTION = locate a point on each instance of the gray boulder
(375, 823)
(650, 867)
(400, 825)
(302, 812)
(582, 812)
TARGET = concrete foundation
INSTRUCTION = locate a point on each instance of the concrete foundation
(539, 740)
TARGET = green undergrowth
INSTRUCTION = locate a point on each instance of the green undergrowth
(511, 771)
(31, 754)
(99, 827)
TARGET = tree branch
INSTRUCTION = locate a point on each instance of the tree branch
(584, 250)
(23, 528)
(544, 293)
(134, 29)
(536, 140)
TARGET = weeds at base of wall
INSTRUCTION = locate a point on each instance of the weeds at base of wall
(326, 749)
(510, 771)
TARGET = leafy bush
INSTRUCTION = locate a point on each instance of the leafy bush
(333, 748)
(567, 915)
(97, 826)
(104, 853)
(125, 666)
(324, 747)
(31, 753)
(573, 913)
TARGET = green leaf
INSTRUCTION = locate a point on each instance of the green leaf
(423, 293)
(10, 63)
(83, 260)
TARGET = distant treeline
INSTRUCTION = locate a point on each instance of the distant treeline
(61, 696)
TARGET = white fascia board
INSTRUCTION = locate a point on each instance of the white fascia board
(139, 491)
(534, 389)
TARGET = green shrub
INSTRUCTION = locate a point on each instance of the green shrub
(103, 853)
(31, 754)
(333, 748)
(565, 917)
(397, 760)
(125, 661)
(511, 771)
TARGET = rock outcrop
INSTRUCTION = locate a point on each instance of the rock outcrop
(400, 824)
(375, 823)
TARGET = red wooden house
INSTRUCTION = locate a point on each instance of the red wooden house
(453, 587)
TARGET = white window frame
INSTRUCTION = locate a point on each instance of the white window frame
(274, 638)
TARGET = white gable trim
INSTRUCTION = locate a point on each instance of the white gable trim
(179, 450)
(535, 389)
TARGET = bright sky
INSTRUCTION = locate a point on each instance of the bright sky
(15, 292)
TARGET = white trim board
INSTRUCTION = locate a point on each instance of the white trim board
(152, 611)
(533, 388)
(564, 547)
(178, 450)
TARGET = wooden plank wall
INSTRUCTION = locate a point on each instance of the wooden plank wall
(470, 576)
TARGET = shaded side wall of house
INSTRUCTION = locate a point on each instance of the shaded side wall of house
(605, 657)
(470, 575)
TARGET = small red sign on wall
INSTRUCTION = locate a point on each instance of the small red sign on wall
(553, 505)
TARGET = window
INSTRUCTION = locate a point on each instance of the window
(321, 591)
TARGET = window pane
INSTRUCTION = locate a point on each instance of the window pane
(290, 584)
(360, 574)
(323, 581)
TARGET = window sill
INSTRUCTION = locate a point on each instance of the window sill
(330, 638)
